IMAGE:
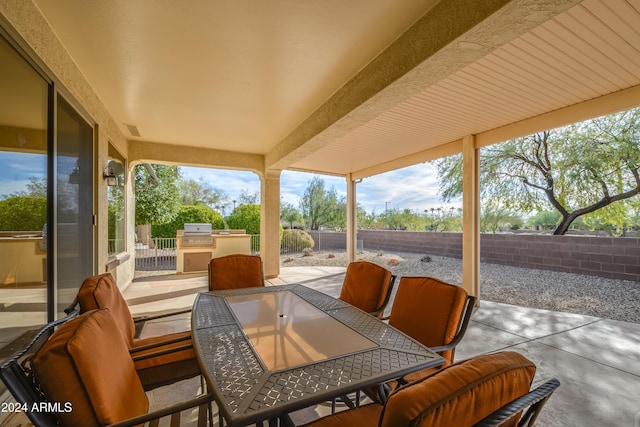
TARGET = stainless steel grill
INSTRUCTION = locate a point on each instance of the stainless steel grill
(197, 241)
(197, 235)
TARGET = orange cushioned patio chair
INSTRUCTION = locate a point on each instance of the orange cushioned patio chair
(159, 360)
(488, 390)
(85, 367)
(235, 271)
(367, 286)
(432, 312)
(18, 377)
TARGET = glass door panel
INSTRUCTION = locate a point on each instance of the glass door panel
(23, 199)
(74, 202)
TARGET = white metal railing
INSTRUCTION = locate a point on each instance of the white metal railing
(158, 253)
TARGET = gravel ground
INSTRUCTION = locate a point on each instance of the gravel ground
(549, 290)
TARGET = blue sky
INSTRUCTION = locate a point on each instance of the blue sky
(17, 168)
(414, 187)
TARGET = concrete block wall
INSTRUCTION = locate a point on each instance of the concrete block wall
(611, 257)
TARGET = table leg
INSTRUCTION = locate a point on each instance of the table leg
(286, 421)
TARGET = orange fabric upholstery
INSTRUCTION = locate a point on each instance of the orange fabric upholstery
(364, 416)
(235, 271)
(428, 310)
(86, 363)
(164, 369)
(101, 291)
(460, 395)
(366, 286)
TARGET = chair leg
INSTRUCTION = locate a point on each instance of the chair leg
(204, 415)
(175, 420)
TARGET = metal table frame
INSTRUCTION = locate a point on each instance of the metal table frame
(246, 392)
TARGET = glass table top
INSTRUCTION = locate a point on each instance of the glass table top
(287, 331)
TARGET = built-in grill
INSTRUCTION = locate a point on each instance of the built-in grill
(197, 235)
(198, 243)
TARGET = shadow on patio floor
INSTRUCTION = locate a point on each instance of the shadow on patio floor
(596, 360)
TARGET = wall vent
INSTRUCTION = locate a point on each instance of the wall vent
(133, 129)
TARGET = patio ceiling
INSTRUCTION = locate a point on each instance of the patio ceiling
(346, 86)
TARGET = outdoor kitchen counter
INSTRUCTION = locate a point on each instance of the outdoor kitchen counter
(195, 257)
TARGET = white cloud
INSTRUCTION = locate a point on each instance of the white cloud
(414, 187)
(231, 182)
(293, 185)
(16, 170)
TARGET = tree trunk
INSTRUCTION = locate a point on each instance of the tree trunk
(563, 227)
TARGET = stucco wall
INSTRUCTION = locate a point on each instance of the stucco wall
(616, 258)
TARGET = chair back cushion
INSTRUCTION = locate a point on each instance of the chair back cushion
(365, 286)
(428, 310)
(235, 271)
(101, 291)
(85, 367)
(461, 394)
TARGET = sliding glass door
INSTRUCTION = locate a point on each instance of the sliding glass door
(23, 198)
(74, 202)
(46, 198)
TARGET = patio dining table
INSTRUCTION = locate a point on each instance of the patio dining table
(269, 351)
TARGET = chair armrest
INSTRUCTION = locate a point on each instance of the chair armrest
(140, 321)
(72, 307)
(174, 409)
(136, 357)
(387, 297)
(160, 316)
(471, 300)
(534, 400)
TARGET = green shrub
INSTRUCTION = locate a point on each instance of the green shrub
(296, 241)
(188, 214)
(23, 213)
(245, 217)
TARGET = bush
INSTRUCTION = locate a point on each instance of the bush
(23, 213)
(188, 214)
(245, 217)
(296, 241)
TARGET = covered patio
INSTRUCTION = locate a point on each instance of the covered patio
(596, 360)
(352, 89)
(342, 89)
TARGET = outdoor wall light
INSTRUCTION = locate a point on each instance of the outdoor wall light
(110, 176)
(74, 176)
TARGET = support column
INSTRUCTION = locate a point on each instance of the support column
(270, 223)
(352, 225)
(471, 216)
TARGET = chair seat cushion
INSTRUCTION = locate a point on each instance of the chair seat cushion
(461, 394)
(163, 369)
(365, 286)
(86, 363)
(364, 416)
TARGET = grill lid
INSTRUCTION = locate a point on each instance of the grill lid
(197, 228)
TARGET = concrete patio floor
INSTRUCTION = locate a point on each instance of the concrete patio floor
(596, 360)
